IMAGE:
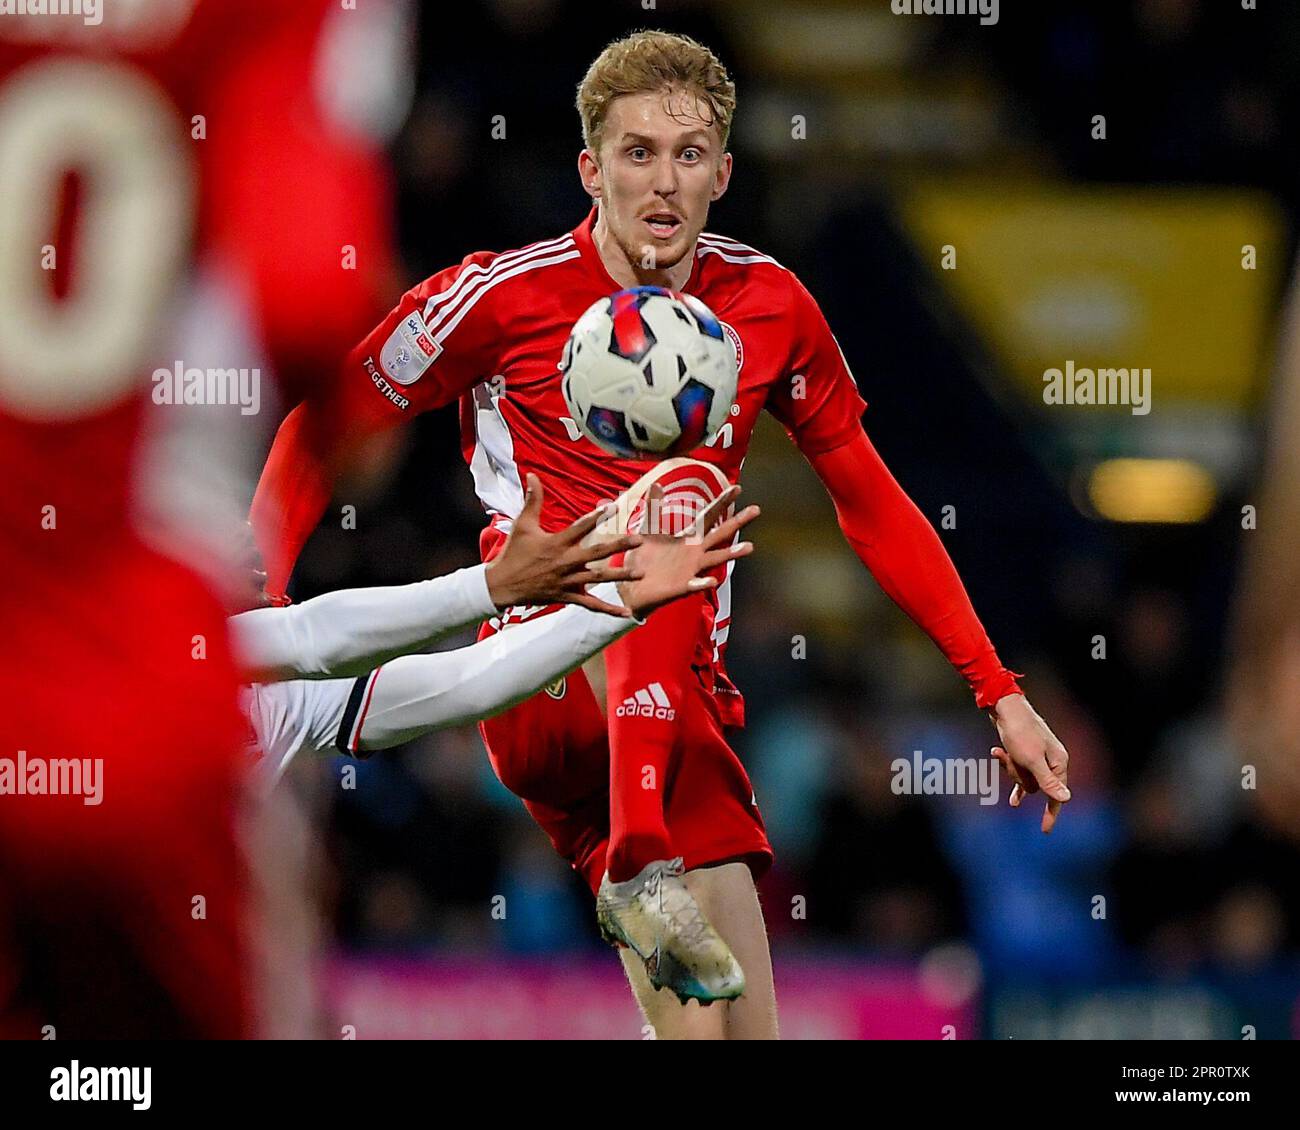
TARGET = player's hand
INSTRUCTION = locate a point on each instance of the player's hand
(1032, 755)
(674, 567)
(540, 568)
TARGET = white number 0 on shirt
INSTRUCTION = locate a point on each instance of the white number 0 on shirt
(61, 358)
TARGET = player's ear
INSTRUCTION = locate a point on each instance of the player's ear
(722, 177)
(589, 171)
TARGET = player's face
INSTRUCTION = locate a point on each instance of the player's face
(661, 166)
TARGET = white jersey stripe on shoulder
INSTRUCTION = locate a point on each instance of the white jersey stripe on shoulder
(506, 257)
(473, 275)
(518, 269)
(483, 279)
(477, 271)
(714, 237)
(721, 244)
(706, 250)
(729, 243)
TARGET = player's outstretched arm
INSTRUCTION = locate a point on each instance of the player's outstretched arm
(900, 547)
(418, 693)
(354, 631)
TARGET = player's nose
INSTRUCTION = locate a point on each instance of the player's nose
(666, 177)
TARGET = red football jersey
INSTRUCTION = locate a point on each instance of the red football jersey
(491, 331)
(152, 168)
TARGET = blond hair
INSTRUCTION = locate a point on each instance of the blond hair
(649, 61)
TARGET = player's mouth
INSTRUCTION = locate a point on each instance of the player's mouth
(663, 225)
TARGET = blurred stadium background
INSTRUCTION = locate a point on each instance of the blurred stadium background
(1071, 523)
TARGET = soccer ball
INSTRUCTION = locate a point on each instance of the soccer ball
(648, 373)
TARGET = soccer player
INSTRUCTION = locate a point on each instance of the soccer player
(301, 656)
(150, 158)
(646, 798)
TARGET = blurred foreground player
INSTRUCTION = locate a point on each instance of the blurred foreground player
(146, 157)
(629, 771)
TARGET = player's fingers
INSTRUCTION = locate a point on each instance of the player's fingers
(599, 573)
(588, 522)
(1050, 813)
(533, 494)
(1018, 773)
(1048, 781)
(725, 531)
(1017, 786)
(652, 517)
(710, 515)
(586, 600)
(722, 556)
(1058, 761)
(603, 549)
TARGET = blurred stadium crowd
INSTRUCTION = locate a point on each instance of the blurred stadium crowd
(1198, 888)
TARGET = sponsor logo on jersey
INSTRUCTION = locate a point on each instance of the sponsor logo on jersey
(649, 702)
(409, 351)
(735, 343)
(384, 387)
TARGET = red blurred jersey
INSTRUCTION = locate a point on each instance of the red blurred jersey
(491, 332)
(169, 143)
(176, 136)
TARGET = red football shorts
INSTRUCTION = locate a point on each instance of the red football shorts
(553, 753)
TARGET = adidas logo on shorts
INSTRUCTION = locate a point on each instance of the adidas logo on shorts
(650, 702)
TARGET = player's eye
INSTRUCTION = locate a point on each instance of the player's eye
(691, 154)
(638, 153)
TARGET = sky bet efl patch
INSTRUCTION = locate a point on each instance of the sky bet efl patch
(409, 351)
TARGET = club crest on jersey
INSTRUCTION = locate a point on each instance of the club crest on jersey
(557, 688)
(409, 350)
(735, 343)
